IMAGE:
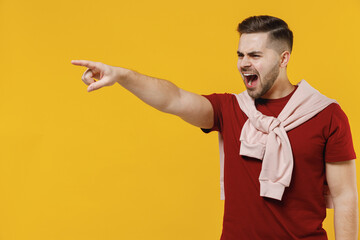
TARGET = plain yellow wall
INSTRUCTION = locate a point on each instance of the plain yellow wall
(103, 165)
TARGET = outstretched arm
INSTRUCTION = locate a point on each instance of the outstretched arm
(158, 93)
(341, 178)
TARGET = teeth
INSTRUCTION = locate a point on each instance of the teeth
(247, 75)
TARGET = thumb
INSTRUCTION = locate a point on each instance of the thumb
(96, 85)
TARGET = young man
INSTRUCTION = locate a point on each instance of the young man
(282, 146)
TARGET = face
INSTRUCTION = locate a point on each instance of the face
(259, 65)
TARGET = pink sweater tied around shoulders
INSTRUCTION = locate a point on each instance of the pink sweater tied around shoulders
(265, 138)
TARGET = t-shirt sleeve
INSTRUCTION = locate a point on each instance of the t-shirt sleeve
(339, 145)
(215, 100)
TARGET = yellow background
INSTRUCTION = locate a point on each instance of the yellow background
(103, 165)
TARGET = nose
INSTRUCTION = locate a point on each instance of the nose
(244, 62)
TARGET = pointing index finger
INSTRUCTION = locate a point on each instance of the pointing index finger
(85, 63)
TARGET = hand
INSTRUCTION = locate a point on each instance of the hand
(106, 74)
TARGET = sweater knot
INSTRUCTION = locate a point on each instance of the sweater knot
(264, 123)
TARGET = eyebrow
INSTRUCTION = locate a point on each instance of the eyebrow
(250, 53)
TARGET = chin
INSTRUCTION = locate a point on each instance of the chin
(253, 94)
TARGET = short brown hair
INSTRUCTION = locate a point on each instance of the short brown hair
(276, 27)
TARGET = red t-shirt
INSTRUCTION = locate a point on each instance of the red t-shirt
(299, 215)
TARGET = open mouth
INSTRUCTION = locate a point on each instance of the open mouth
(251, 80)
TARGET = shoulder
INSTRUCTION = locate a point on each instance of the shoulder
(220, 99)
(334, 112)
(219, 96)
(224, 103)
(336, 120)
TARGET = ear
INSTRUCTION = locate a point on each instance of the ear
(284, 59)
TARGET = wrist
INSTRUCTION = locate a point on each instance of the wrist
(123, 74)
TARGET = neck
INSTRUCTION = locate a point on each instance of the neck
(281, 88)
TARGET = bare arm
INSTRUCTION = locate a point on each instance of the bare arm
(341, 178)
(158, 93)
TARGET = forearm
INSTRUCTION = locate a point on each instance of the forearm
(158, 93)
(346, 217)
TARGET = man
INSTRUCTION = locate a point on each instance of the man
(309, 137)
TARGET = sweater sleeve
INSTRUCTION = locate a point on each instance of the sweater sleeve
(339, 144)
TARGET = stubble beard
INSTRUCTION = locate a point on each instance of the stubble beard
(266, 83)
